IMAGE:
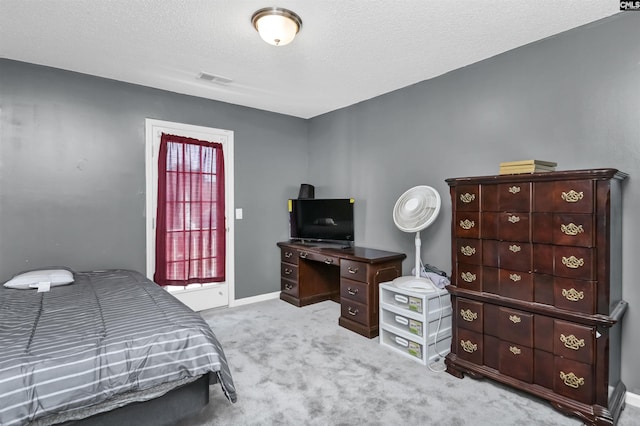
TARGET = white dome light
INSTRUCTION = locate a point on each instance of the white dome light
(276, 26)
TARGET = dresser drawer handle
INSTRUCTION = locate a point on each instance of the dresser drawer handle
(515, 350)
(571, 229)
(515, 277)
(352, 312)
(467, 198)
(572, 262)
(468, 250)
(572, 196)
(514, 189)
(467, 346)
(287, 254)
(288, 286)
(351, 291)
(288, 271)
(352, 270)
(467, 224)
(468, 315)
(515, 248)
(572, 342)
(468, 277)
(328, 261)
(571, 380)
(572, 295)
(304, 254)
(515, 319)
(514, 219)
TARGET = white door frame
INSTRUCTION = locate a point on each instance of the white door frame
(153, 130)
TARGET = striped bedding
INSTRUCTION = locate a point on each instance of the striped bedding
(108, 334)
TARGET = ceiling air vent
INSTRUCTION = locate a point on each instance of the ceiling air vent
(214, 78)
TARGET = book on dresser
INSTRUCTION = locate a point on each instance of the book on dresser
(536, 286)
(527, 166)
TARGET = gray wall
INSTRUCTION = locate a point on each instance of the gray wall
(573, 98)
(72, 173)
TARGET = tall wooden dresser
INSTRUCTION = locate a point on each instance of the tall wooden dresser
(536, 286)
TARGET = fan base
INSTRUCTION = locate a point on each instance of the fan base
(418, 284)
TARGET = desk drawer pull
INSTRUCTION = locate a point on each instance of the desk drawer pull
(352, 270)
(353, 312)
(467, 198)
(515, 277)
(287, 271)
(467, 224)
(468, 346)
(328, 261)
(572, 294)
(288, 286)
(468, 315)
(351, 291)
(514, 219)
(571, 229)
(304, 254)
(468, 250)
(571, 380)
(287, 254)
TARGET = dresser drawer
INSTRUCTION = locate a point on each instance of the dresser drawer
(516, 361)
(467, 224)
(289, 271)
(514, 197)
(468, 276)
(574, 262)
(469, 314)
(514, 227)
(516, 326)
(353, 270)
(289, 287)
(573, 341)
(515, 255)
(568, 196)
(469, 250)
(354, 290)
(355, 311)
(573, 230)
(469, 345)
(289, 255)
(468, 198)
(574, 380)
(516, 284)
(575, 295)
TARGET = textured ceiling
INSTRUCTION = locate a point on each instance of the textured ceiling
(347, 51)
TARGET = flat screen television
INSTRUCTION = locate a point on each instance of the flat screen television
(317, 219)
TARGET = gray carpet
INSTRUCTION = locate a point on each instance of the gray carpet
(296, 366)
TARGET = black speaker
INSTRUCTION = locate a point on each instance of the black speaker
(306, 191)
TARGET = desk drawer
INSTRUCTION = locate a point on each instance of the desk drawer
(318, 257)
(354, 270)
(289, 271)
(355, 311)
(288, 255)
(354, 290)
(289, 287)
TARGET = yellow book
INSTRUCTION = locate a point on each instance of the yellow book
(529, 162)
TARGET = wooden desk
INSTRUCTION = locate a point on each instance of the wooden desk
(311, 273)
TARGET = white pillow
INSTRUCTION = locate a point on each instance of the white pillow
(32, 278)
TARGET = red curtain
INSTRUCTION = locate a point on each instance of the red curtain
(190, 221)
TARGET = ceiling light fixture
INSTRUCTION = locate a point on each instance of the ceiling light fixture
(276, 26)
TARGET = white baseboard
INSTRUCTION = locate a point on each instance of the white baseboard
(254, 299)
(632, 399)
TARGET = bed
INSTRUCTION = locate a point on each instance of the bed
(100, 346)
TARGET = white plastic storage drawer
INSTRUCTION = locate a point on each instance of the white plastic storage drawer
(416, 324)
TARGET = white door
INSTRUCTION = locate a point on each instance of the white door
(197, 296)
